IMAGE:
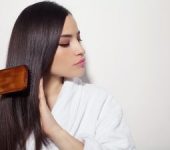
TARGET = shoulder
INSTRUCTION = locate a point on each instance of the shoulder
(94, 94)
(91, 89)
(99, 103)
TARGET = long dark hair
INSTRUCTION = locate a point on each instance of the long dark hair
(33, 42)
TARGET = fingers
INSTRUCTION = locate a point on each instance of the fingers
(41, 91)
(46, 119)
(42, 98)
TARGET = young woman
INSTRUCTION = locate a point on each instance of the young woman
(58, 110)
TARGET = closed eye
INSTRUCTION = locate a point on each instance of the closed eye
(64, 45)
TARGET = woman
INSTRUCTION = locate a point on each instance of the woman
(57, 111)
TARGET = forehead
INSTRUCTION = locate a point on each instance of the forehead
(70, 25)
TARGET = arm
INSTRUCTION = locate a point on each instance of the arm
(111, 131)
(64, 140)
(59, 136)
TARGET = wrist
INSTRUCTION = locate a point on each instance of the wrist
(65, 141)
(55, 131)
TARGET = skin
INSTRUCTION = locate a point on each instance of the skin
(68, 53)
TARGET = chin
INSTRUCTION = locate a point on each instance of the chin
(81, 73)
(76, 74)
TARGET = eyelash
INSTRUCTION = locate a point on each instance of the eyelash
(66, 45)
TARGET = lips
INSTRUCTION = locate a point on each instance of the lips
(81, 61)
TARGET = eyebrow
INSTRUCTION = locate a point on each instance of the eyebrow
(69, 35)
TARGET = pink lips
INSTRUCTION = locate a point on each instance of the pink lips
(81, 62)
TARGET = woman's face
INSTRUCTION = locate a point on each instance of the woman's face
(69, 60)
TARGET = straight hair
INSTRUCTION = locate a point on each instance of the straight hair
(34, 40)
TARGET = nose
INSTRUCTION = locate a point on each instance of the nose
(79, 50)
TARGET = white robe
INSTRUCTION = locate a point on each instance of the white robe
(92, 116)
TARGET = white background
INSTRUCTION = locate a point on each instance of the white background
(127, 46)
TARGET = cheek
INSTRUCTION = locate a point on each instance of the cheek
(61, 63)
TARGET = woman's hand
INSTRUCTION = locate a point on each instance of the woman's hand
(62, 139)
(48, 122)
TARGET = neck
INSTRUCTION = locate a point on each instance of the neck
(52, 87)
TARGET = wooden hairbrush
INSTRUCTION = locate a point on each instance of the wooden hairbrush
(13, 79)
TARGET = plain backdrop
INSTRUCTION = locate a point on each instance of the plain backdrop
(127, 46)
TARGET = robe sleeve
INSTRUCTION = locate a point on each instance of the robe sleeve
(112, 133)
